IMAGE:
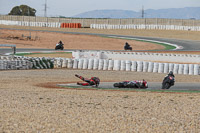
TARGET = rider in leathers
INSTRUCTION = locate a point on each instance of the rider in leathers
(89, 82)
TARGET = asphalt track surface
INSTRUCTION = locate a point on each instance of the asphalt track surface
(188, 45)
(152, 86)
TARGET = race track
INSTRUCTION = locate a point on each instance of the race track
(152, 86)
(188, 45)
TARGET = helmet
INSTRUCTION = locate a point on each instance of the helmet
(170, 73)
(60, 42)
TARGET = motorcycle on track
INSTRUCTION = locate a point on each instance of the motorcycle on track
(132, 84)
(168, 81)
(59, 45)
(127, 46)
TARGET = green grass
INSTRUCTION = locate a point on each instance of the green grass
(137, 90)
(167, 47)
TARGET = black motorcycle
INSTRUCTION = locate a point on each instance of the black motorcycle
(129, 84)
(127, 46)
(168, 82)
(59, 46)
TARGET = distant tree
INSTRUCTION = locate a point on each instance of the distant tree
(22, 10)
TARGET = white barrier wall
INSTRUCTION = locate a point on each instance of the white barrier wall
(148, 27)
(34, 24)
(9, 63)
(138, 56)
(103, 26)
(127, 65)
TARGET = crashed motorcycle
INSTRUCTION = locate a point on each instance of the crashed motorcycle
(59, 46)
(168, 81)
(132, 84)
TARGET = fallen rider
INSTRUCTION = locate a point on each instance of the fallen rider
(93, 81)
(132, 84)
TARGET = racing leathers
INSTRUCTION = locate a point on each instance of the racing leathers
(89, 82)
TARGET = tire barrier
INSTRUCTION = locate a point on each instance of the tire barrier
(191, 69)
(150, 67)
(101, 64)
(180, 69)
(105, 64)
(123, 65)
(186, 69)
(134, 66)
(70, 25)
(117, 64)
(145, 66)
(21, 63)
(155, 67)
(80, 64)
(127, 65)
(110, 64)
(139, 66)
(147, 27)
(160, 67)
(139, 56)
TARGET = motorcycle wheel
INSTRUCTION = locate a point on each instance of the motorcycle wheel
(116, 85)
(167, 86)
(119, 85)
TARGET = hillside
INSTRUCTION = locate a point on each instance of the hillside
(175, 13)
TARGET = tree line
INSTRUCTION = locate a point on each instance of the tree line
(23, 10)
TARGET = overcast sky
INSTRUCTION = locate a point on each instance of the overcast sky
(70, 8)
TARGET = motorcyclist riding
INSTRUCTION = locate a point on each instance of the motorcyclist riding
(170, 74)
(59, 45)
(167, 78)
(127, 46)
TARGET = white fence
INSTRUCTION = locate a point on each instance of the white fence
(148, 27)
(33, 24)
